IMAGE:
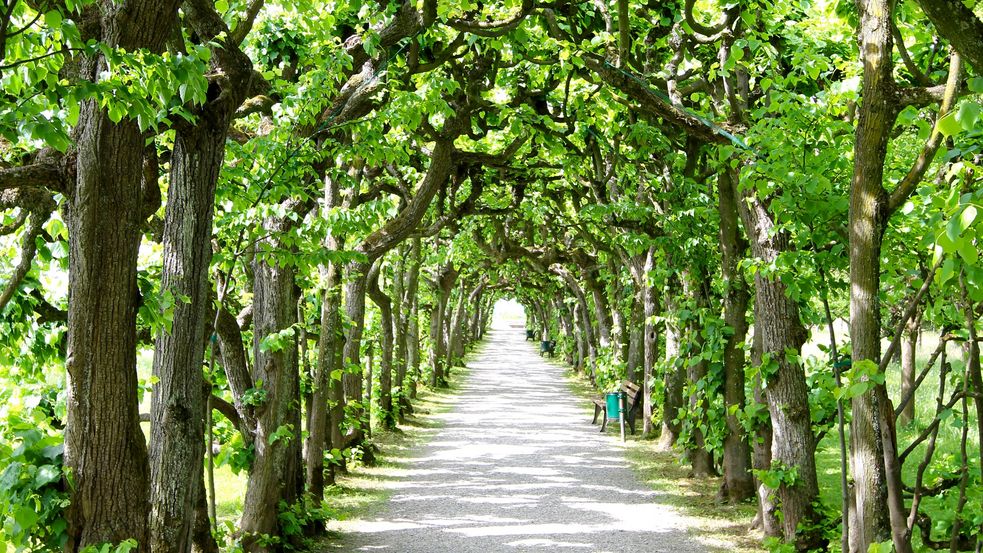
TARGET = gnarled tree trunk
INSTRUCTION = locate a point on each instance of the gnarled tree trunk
(275, 474)
(104, 212)
(777, 319)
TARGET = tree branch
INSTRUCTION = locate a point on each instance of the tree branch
(914, 176)
(29, 249)
(650, 104)
(493, 28)
(959, 25)
(45, 174)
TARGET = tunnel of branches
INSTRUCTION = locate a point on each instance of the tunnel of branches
(274, 222)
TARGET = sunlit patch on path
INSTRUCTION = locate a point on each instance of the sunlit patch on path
(517, 466)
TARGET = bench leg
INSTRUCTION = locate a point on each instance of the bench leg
(597, 410)
(604, 422)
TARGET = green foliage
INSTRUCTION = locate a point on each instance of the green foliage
(32, 483)
(778, 475)
(123, 547)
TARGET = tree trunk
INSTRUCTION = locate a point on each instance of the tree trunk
(589, 352)
(699, 456)
(413, 316)
(568, 329)
(580, 335)
(326, 421)
(767, 510)
(635, 358)
(275, 475)
(455, 348)
(104, 211)
(777, 318)
(384, 304)
(400, 311)
(673, 383)
(474, 324)
(176, 445)
(202, 540)
(738, 481)
(871, 429)
(445, 283)
(353, 375)
(413, 346)
(650, 344)
(601, 311)
(908, 371)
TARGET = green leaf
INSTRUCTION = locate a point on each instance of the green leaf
(221, 6)
(53, 19)
(948, 125)
(967, 251)
(45, 475)
(968, 115)
(25, 517)
(967, 217)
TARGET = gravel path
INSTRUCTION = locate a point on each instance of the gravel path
(517, 466)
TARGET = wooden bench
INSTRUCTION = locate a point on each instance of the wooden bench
(530, 334)
(548, 347)
(632, 409)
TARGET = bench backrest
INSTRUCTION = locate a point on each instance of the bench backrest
(634, 393)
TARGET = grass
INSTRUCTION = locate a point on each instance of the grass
(947, 450)
(718, 525)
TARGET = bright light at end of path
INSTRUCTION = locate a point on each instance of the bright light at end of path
(508, 314)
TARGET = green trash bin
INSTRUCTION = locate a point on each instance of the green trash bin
(614, 405)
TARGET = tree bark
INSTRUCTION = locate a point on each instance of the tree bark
(673, 382)
(275, 475)
(176, 444)
(384, 304)
(777, 318)
(104, 212)
(650, 340)
(960, 26)
(767, 510)
(869, 212)
(738, 481)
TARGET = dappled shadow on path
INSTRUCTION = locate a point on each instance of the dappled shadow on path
(517, 466)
